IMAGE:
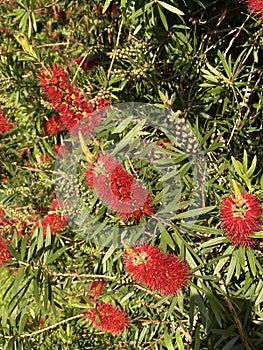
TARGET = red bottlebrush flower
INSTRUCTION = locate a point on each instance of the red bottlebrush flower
(256, 6)
(241, 217)
(5, 30)
(97, 287)
(4, 123)
(68, 102)
(119, 189)
(3, 179)
(62, 150)
(44, 158)
(108, 318)
(4, 253)
(164, 273)
(55, 220)
(54, 125)
(88, 63)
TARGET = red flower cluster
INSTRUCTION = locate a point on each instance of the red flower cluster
(96, 288)
(55, 220)
(114, 185)
(108, 317)
(256, 6)
(88, 63)
(4, 123)
(241, 217)
(164, 273)
(4, 253)
(67, 101)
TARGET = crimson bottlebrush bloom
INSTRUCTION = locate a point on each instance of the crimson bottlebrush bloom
(241, 217)
(108, 317)
(164, 273)
(53, 125)
(55, 220)
(4, 123)
(88, 63)
(119, 189)
(62, 150)
(4, 253)
(255, 6)
(97, 287)
(68, 102)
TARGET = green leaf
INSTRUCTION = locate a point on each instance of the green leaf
(226, 65)
(214, 242)
(179, 340)
(123, 3)
(108, 254)
(23, 247)
(14, 253)
(252, 168)
(23, 320)
(128, 138)
(166, 239)
(194, 212)
(230, 344)
(123, 125)
(163, 18)
(232, 266)
(251, 260)
(170, 8)
(106, 5)
(238, 166)
(18, 280)
(141, 11)
(197, 338)
(245, 161)
(53, 257)
(168, 341)
(258, 234)
(259, 299)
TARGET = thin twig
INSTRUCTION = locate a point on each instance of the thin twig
(39, 331)
(115, 50)
(233, 313)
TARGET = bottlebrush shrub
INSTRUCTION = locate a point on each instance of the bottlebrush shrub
(213, 78)
(164, 273)
(120, 190)
(241, 217)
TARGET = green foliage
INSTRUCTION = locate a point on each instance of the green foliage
(200, 59)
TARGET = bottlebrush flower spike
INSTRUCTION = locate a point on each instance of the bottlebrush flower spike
(4, 123)
(164, 273)
(256, 6)
(88, 62)
(109, 318)
(67, 101)
(55, 220)
(120, 190)
(4, 253)
(97, 287)
(241, 216)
